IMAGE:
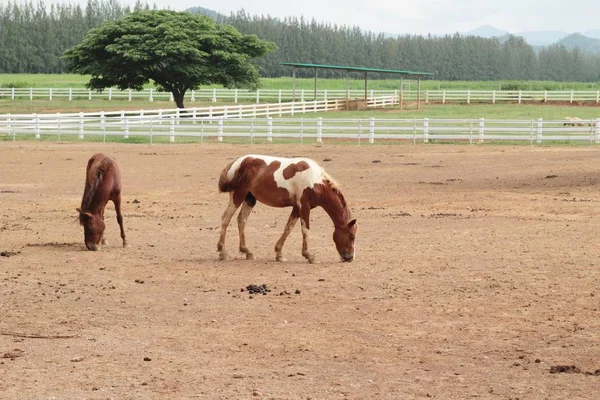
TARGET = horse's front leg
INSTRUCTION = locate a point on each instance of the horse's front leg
(117, 202)
(225, 220)
(242, 218)
(288, 228)
(305, 222)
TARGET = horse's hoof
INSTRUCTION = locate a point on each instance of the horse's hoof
(222, 256)
(250, 256)
(309, 257)
(104, 242)
(125, 245)
(281, 259)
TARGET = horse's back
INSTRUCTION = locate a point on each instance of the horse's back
(103, 166)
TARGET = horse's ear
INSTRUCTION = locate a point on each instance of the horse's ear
(351, 223)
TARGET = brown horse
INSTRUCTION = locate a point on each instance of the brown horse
(102, 183)
(299, 183)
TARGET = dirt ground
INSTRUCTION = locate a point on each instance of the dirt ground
(477, 271)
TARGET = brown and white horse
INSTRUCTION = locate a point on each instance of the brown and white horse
(299, 183)
(102, 183)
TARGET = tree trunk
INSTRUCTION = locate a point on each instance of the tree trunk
(178, 97)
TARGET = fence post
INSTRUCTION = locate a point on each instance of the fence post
(372, 130)
(320, 130)
(597, 96)
(481, 129)
(103, 125)
(545, 96)
(70, 94)
(30, 93)
(81, 125)
(520, 94)
(469, 96)
(279, 97)
(109, 94)
(225, 109)
(50, 95)
(126, 128)
(37, 126)
(597, 130)
(220, 129)
(151, 99)
(210, 112)
(257, 96)
(425, 130)
(427, 97)
(269, 129)
(493, 97)
(89, 94)
(443, 97)
(214, 96)
(302, 95)
(172, 129)
(193, 96)
(571, 100)
(129, 95)
(539, 130)
(59, 125)
(235, 96)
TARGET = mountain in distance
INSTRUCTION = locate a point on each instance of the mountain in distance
(534, 38)
(542, 38)
(583, 42)
(205, 11)
(589, 41)
(487, 31)
(594, 34)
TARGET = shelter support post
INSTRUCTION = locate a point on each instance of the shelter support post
(365, 85)
(418, 92)
(316, 84)
(293, 84)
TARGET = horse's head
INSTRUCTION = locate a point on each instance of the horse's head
(93, 229)
(344, 237)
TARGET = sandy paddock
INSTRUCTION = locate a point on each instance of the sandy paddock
(477, 271)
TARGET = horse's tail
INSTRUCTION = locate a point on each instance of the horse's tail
(229, 185)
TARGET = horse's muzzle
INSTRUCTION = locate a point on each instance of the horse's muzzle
(92, 247)
(347, 258)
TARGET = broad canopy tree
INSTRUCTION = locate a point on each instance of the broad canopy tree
(178, 51)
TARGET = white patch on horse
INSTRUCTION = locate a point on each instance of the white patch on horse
(297, 183)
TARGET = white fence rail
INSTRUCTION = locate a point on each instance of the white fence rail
(190, 123)
(302, 95)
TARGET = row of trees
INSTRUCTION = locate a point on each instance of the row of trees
(33, 38)
(450, 57)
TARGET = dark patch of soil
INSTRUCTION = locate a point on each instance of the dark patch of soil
(258, 289)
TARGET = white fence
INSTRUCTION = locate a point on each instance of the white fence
(254, 123)
(303, 95)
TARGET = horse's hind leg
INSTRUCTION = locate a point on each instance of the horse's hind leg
(247, 206)
(117, 201)
(288, 228)
(225, 220)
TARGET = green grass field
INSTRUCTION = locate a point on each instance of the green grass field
(79, 81)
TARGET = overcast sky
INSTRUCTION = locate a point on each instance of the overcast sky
(415, 16)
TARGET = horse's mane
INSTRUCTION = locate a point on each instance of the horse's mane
(90, 193)
(337, 190)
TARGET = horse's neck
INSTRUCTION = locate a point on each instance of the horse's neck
(335, 206)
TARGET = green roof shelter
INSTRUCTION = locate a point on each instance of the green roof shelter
(295, 65)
